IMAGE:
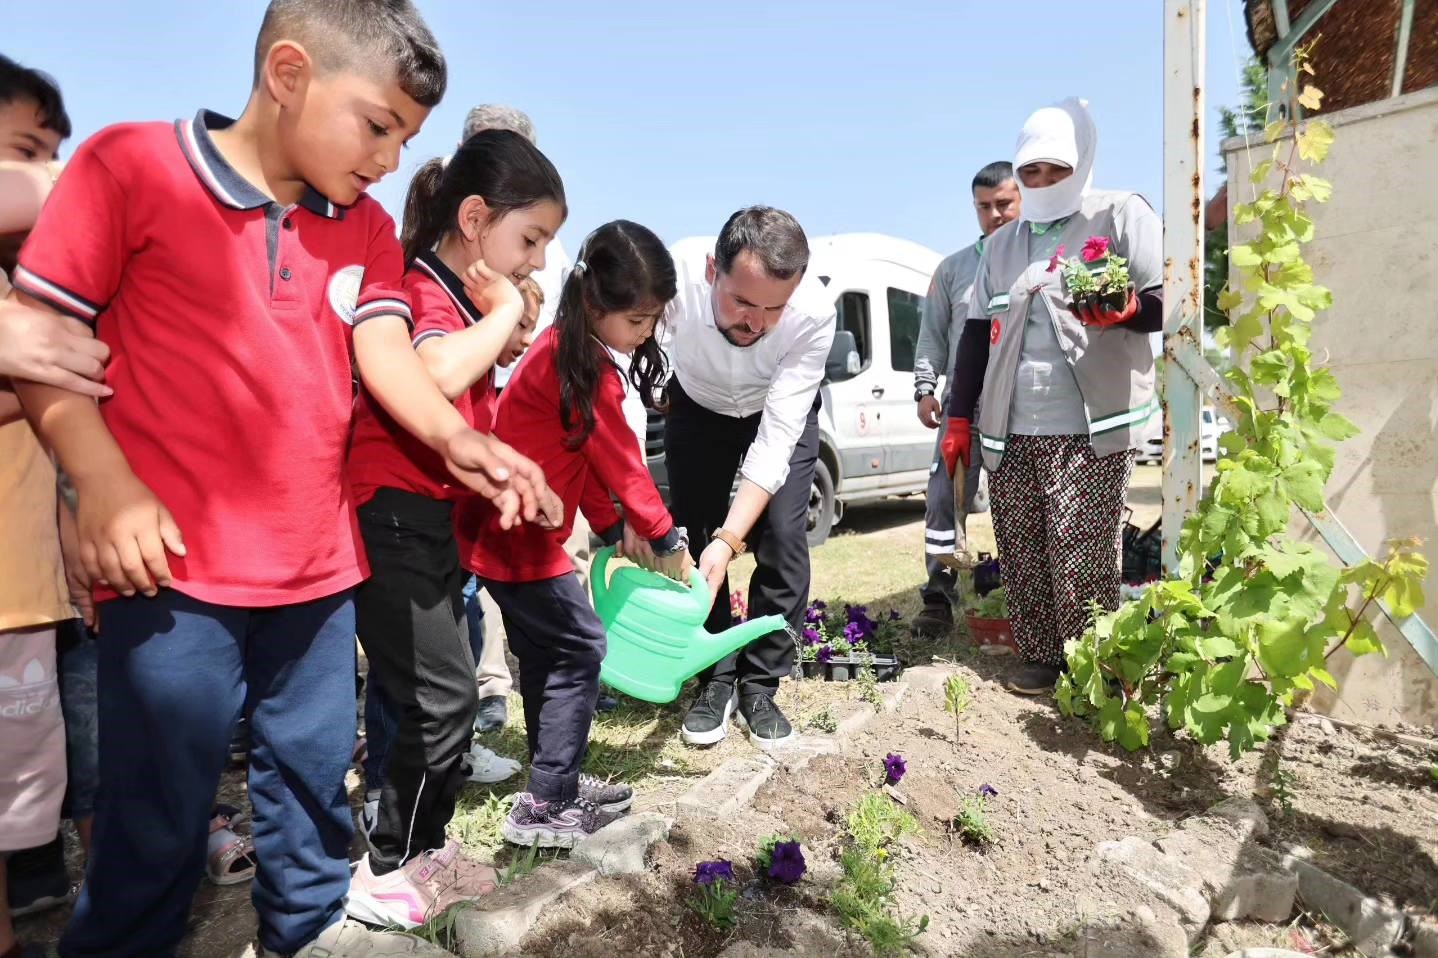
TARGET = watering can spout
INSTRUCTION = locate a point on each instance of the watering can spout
(745, 632)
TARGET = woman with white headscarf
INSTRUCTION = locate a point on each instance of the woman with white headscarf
(1066, 394)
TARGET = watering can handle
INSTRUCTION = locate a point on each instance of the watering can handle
(599, 579)
(599, 573)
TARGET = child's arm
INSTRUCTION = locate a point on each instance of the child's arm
(458, 360)
(394, 375)
(614, 458)
(598, 508)
(123, 527)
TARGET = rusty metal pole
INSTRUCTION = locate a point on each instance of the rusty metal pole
(1183, 202)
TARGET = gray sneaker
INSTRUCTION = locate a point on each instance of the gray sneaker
(552, 824)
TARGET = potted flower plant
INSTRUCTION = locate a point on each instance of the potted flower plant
(840, 640)
(1097, 277)
(987, 617)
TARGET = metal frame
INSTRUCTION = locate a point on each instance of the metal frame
(1280, 55)
(1183, 201)
(1400, 55)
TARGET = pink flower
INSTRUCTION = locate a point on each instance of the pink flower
(1057, 258)
(1095, 249)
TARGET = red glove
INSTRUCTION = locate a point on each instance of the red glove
(1098, 316)
(955, 446)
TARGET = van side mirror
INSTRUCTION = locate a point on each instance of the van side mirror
(843, 362)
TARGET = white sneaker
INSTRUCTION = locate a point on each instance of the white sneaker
(369, 817)
(353, 940)
(483, 766)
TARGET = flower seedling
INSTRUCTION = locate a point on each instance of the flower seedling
(864, 898)
(972, 823)
(847, 631)
(956, 699)
(876, 822)
(1096, 277)
(995, 605)
(786, 862)
(717, 896)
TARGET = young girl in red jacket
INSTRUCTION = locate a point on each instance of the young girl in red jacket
(562, 409)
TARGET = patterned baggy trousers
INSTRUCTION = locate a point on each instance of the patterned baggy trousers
(1057, 511)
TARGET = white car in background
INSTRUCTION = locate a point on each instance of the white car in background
(1211, 428)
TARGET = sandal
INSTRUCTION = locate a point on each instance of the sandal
(230, 857)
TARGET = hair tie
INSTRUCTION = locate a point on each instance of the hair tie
(581, 267)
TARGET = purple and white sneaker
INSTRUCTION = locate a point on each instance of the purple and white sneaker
(553, 824)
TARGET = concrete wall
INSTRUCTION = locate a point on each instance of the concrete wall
(1376, 247)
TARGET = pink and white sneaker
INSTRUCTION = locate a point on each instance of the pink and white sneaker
(423, 887)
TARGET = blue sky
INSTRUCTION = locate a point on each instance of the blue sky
(852, 115)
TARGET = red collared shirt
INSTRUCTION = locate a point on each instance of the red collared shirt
(383, 454)
(229, 318)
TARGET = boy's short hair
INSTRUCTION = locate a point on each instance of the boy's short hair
(529, 289)
(23, 83)
(359, 36)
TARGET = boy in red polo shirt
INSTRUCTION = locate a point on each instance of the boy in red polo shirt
(231, 267)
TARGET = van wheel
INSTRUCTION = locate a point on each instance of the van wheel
(821, 505)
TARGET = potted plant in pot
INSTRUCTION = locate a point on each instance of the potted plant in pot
(1096, 278)
(840, 640)
(988, 620)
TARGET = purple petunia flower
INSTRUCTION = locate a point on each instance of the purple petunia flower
(811, 636)
(819, 604)
(788, 863)
(854, 633)
(894, 615)
(988, 791)
(824, 654)
(894, 768)
(814, 616)
(707, 873)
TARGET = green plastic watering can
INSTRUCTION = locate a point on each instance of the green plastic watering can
(657, 639)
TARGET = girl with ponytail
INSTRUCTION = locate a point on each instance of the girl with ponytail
(474, 229)
(562, 408)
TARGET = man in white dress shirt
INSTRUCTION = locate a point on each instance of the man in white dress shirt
(748, 336)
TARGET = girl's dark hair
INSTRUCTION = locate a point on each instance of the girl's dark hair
(625, 266)
(501, 166)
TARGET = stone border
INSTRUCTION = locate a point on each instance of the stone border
(1211, 868)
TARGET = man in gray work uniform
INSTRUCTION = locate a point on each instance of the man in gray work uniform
(996, 201)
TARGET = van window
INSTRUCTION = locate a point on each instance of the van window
(854, 317)
(905, 310)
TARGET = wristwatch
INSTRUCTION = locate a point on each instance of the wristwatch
(735, 544)
(921, 391)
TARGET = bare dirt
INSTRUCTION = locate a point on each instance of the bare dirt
(1364, 806)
